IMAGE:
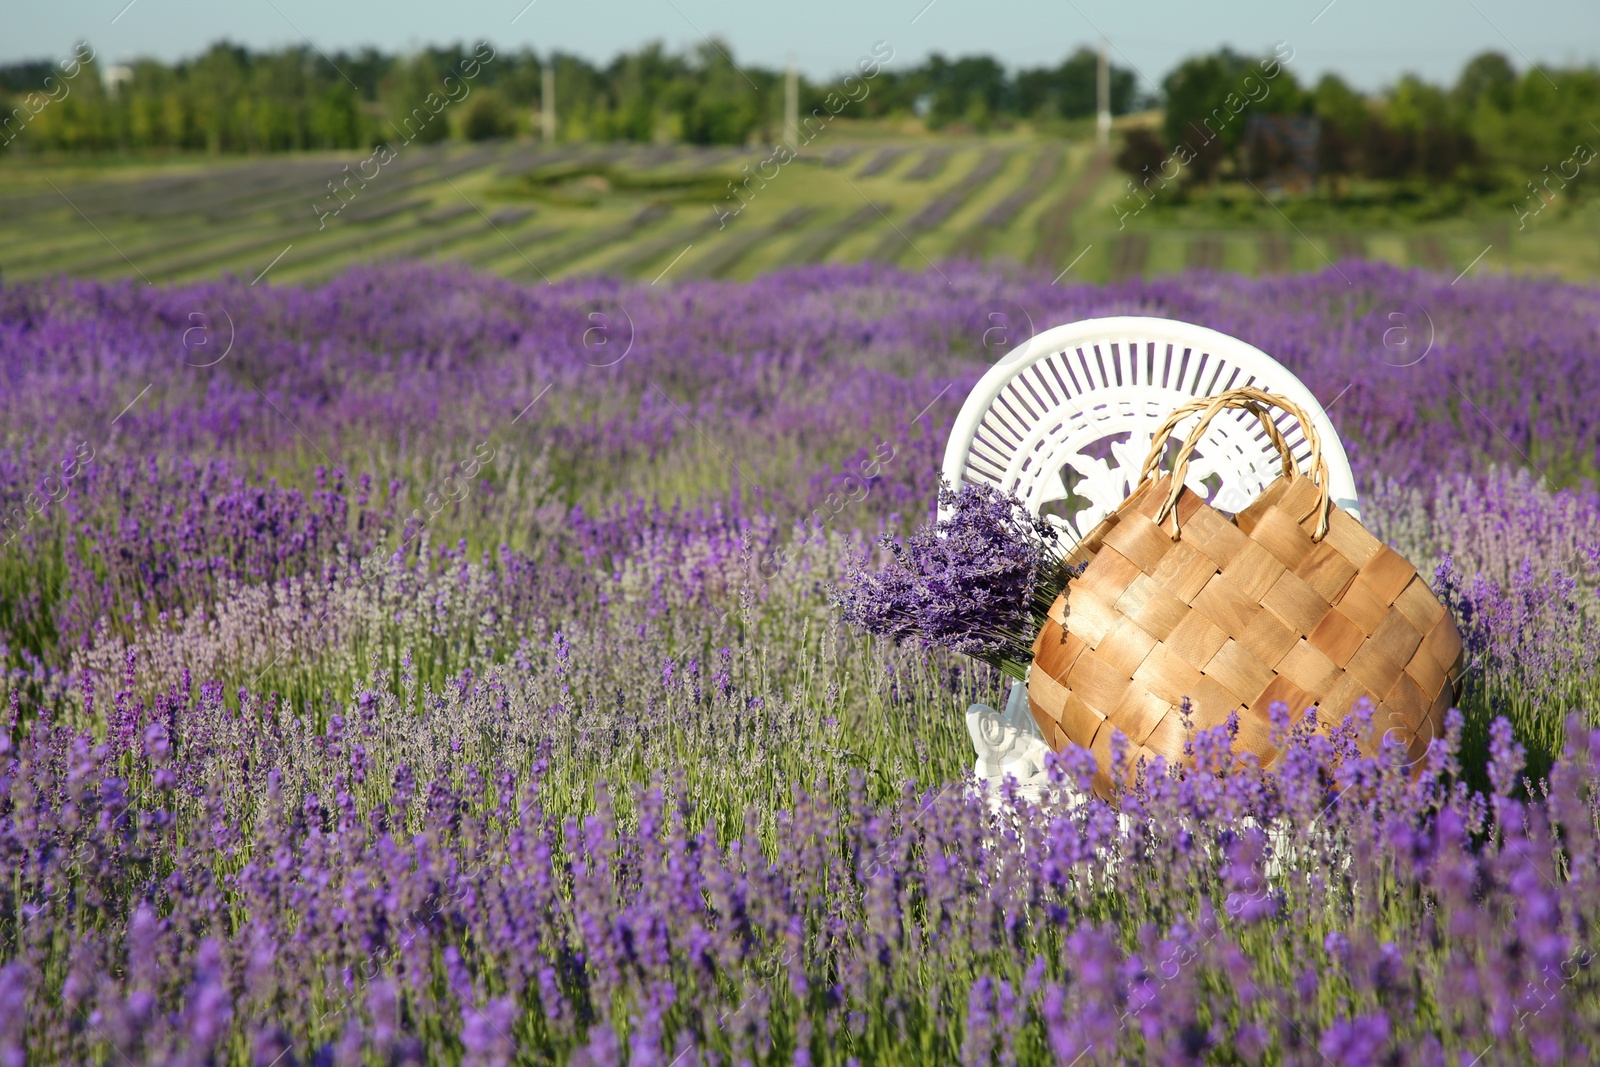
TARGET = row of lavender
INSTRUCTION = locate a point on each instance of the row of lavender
(326, 613)
(400, 367)
(165, 446)
(468, 916)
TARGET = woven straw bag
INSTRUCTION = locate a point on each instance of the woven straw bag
(1292, 600)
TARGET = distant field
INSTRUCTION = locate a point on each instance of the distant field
(532, 212)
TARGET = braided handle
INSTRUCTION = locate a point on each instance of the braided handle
(1257, 402)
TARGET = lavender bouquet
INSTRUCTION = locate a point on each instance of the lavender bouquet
(979, 582)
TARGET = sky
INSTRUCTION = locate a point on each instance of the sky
(1370, 42)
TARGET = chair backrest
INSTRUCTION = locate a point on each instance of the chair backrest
(1064, 421)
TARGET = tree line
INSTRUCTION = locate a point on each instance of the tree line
(231, 99)
(1492, 127)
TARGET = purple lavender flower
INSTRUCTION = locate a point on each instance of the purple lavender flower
(362, 756)
(1360, 1042)
(978, 582)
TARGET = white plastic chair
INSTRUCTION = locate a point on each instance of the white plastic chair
(1064, 422)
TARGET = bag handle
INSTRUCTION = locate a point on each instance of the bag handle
(1257, 402)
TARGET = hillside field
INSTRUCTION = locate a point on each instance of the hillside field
(530, 211)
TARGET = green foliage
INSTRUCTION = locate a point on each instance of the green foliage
(226, 100)
(1493, 132)
(1196, 99)
(1550, 113)
(1494, 129)
(1486, 80)
(232, 100)
(724, 104)
(1069, 91)
(1335, 102)
(588, 185)
(1142, 153)
(969, 89)
(409, 117)
(488, 117)
(640, 80)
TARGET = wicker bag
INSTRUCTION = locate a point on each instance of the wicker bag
(1292, 600)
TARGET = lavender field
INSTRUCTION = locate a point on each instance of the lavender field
(430, 668)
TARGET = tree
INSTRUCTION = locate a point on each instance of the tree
(407, 102)
(1195, 90)
(1387, 152)
(1142, 154)
(1486, 81)
(639, 83)
(1070, 90)
(722, 107)
(1336, 154)
(970, 89)
(1413, 104)
(1205, 160)
(488, 117)
(1436, 141)
(27, 76)
(215, 83)
(1498, 125)
(1209, 97)
(1344, 114)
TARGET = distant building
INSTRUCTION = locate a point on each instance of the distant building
(1281, 150)
(114, 76)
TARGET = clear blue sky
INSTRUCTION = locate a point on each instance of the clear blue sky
(1371, 42)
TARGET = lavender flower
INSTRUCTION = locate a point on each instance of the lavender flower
(978, 582)
(565, 758)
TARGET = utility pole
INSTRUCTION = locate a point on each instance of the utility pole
(1102, 85)
(791, 108)
(547, 100)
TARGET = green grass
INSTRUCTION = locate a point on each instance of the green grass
(638, 211)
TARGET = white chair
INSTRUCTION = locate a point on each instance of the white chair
(1064, 423)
